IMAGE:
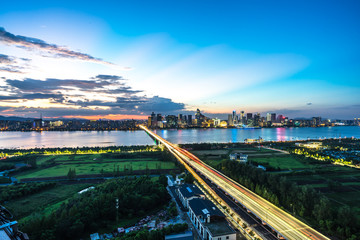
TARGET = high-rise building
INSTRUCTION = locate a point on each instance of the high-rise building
(316, 121)
(242, 117)
(197, 114)
(198, 119)
(171, 121)
(268, 117)
(189, 120)
(159, 121)
(273, 117)
(158, 117)
(38, 123)
(234, 118)
(230, 120)
(153, 120)
(256, 119)
(149, 122)
(249, 116)
(180, 118)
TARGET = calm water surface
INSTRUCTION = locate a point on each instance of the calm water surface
(112, 138)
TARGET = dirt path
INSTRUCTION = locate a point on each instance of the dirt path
(278, 150)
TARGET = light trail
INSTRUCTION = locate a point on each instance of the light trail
(286, 225)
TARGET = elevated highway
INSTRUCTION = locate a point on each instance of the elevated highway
(285, 225)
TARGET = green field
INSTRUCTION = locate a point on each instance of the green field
(93, 168)
(277, 160)
(92, 164)
(283, 161)
(43, 202)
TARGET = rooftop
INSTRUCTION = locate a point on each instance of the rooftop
(190, 190)
(219, 228)
(203, 207)
(181, 236)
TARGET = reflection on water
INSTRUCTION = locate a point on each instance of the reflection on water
(280, 134)
(127, 138)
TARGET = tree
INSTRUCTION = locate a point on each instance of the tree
(163, 180)
(189, 178)
(71, 174)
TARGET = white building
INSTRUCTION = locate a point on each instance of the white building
(313, 145)
(262, 167)
(217, 122)
(243, 158)
(209, 221)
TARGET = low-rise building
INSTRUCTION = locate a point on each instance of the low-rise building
(253, 140)
(181, 236)
(95, 236)
(187, 192)
(171, 180)
(312, 145)
(209, 221)
(262, 167)
(243, 158)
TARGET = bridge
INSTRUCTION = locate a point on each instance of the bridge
(285, 225)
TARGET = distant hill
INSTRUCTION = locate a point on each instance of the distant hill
(13, 118)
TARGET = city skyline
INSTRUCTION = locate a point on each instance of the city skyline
(121, 61)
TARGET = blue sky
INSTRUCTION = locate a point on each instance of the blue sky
(298, 58)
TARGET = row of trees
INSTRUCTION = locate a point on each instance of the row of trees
(87, 212)
(84, 150)
(11, 192)
(302, 201)
(321, 157)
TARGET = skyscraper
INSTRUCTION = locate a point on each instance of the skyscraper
(273, 117)
(189, 120)
(249, 116)
(256, 119)
(234, 118)
(230, 120)
(268, 117)
(242, 117)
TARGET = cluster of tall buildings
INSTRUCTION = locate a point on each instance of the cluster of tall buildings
(241, 120)
(179, 121)
(256, 120)
(198, 120)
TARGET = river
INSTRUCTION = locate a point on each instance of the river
(112, 138)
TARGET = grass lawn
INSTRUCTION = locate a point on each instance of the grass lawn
(85, 164)
(94, 168)
(282, 161)
(48, 199)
